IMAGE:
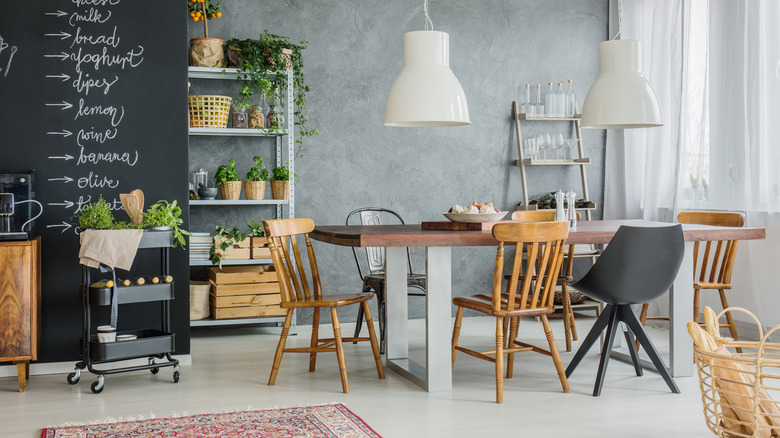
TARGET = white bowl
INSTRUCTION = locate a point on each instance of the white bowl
(106, 333)
(475, 217)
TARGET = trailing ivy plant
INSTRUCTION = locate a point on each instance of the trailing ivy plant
(264, 71)
(165, 214)
(258, 172)
(96, 215)
(226, 238)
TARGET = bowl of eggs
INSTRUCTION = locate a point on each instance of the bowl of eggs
(475, 213)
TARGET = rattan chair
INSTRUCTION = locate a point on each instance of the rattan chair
(544, 245)
(714, 266)
(298, 292)
(374, 279)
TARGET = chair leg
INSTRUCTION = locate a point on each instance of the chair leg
(590, 339)
(629, 318)
(642, 319)
(358, 323)
(372, 338)
(566, 314)
(725, 303)
(555, 355)
(500, 360)
(630, 343)
(280, 347)
(456, 333)
(339, 349)
(510, 362)
(606, 349)
(382, 309)
(315, 338)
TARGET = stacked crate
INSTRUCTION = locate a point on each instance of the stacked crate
(244, 292)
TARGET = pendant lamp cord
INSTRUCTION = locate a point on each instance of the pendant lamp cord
(428, 21)
(620, 19)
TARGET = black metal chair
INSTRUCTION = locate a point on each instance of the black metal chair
(375, 260)
(639, 265)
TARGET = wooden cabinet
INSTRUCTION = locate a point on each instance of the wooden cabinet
(20, 304)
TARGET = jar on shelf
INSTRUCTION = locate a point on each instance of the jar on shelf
(256, 117)
(270, 119)
(240, 116)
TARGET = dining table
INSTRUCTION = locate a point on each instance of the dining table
(435, 373)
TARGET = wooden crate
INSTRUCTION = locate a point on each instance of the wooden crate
(242, 274)
(261, 252)
(239, 251)
(223, 290)
(246, 300)
(248, 312)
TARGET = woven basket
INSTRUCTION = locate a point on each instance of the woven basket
(738, 388)
(230, 190)
(209, 111)
(254, 190)
(280, 189)
(575, 296)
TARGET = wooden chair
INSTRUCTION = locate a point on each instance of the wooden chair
(544, 244)
(714, 266)
(282, 236)
(569, 326)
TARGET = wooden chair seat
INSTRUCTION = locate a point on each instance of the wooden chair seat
(543, 243)
(300, 291)
(328, 301)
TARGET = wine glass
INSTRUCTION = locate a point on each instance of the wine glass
(557, 144)
(542, 144)
(572, 146)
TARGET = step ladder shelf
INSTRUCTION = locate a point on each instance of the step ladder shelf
(524, 116)
(532, 162)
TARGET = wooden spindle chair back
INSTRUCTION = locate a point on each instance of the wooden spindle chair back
(714, 263)
(282, 238)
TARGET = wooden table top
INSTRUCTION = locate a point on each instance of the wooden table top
(584, 232)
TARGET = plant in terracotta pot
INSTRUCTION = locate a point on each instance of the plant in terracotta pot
(205, 52)
(280, 182)
(264, 63)
(256, 178)
(226, 178)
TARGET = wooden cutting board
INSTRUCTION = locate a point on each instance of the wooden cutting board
(458, 226)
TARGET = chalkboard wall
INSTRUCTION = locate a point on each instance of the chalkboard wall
(93, 99)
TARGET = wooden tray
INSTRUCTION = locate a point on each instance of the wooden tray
(458, 226)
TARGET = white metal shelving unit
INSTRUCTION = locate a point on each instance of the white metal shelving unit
(288, 134)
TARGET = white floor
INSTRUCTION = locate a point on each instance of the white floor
(231, 366)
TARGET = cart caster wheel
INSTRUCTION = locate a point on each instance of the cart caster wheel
(175, 377)
(97, 387)
(155, 370)
(73, 378)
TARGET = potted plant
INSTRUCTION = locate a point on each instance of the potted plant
(96, 215)
(205, 52)
(280, 182)
(165, 215)
(227, 245)
(254, 186)
(260, 248)
(228, 182)
(264, 63)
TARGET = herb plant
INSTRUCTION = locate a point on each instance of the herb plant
(228, 238)
(282, 173)
(258, 172)
(96, 215)
(226, 172)
(165, 214)
(256, 228)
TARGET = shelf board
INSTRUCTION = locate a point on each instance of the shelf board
(233, 262)
(194, 202)
(524, 116)
(215, 73)
(526, 207)
(243, 321)
(531, 162)
(236, 132)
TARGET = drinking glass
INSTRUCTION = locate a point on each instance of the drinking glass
(557, 144)
(572, 146)
(542, 144)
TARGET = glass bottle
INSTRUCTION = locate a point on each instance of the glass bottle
(539, 104)
(240, 116)
(571, 214)
(571, 101)
(527, 107)
(549, 101)
(560, 101)
(256, 117)
(270, 118)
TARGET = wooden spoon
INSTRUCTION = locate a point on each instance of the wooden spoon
(140, 196)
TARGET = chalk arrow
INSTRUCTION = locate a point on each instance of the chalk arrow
(64, 105)
(66, 203)
(64, 225)
(65, 157)
(63, 56)
(62, 35)
(64, 133)
(56, 14)
(62, 76)
(67, 179)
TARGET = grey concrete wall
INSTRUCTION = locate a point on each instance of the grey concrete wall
(354, 55)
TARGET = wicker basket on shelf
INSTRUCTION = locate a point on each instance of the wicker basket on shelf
(738, 379)
(209, 111)
(254, 190)
(230, 190)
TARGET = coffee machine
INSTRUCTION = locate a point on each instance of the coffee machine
(16, 197)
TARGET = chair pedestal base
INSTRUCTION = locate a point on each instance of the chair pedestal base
(609, 320)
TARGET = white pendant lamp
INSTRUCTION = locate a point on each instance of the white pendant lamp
(426, 92)
(621, 97)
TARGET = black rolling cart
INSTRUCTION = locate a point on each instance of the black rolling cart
(156, 344)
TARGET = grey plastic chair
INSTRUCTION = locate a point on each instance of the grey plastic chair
(638, 266)
(374, 279)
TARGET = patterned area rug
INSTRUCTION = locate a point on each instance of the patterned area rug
(326, 421)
